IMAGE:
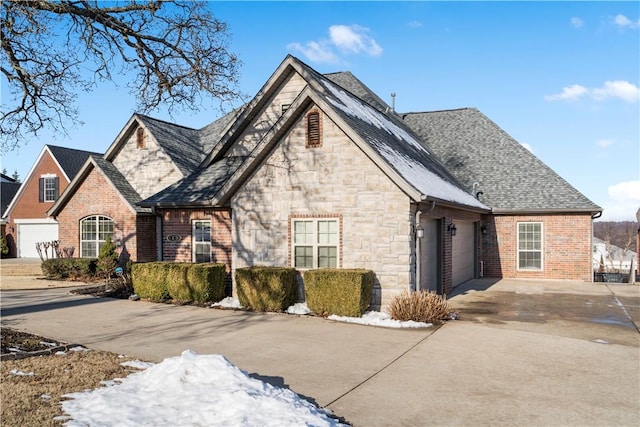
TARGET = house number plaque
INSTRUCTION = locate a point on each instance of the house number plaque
(174, 237)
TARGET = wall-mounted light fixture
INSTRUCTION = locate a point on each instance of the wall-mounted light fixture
(483, 230)
(452, 229)
(11, 229)
(420, 232)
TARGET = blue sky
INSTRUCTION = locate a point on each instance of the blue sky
(560, 77)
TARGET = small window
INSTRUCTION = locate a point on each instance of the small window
(48, 188)
(140, 140)
(530, 246)
(201, 241)
(315, 243)
(93, 233)
(313, 130)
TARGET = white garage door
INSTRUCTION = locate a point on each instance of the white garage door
(463, 252)
(29, 234)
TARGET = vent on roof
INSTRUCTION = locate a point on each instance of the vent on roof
(140, 142)
(313, 130)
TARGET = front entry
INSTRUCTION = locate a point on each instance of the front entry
(430, 256)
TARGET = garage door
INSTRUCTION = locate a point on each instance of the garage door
(463, 252)
(29, 234)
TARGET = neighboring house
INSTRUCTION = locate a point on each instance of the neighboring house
(612, 257)
(317, 171)
(26, 216)
(8, 188)
(147, 156)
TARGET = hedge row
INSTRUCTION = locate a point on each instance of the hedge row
(69, 268)
(184, 282)
(328, 291)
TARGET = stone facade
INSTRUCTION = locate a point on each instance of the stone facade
(566, 244)
(147, 168)
(334, 180)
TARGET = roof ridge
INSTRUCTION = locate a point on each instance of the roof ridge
(165, 122)
(439, 111)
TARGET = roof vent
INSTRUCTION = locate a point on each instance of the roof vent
(393, 102)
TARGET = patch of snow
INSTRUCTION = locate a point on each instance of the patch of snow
(21, 373)
(376, 318)
(79, 348)
(49, 344)
(600, 341)
(192, 389)
(137, 364)
(16, 350)
(60, 353)
(228, 302)
(299, 308)
(45, 396)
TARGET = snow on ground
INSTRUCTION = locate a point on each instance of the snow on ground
(376, 318)
(371, 318)
(192, 390)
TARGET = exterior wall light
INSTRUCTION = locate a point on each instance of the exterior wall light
(483, 230)
(452, 229)
(420, 232)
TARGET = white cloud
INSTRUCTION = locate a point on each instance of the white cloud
(605, 143)
(569, 93)
(619, 89)
(414, 24)
(623, 202)
(354, 39)
(348, 39)
(577, 22)
(622, 21)
(315, 51)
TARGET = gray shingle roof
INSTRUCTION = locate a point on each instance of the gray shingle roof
(70, 159)
(511, 178)
(348, 81)
(120, 182)
(199, 187)
(8, 189)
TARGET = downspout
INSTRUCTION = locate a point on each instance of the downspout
(417, 232)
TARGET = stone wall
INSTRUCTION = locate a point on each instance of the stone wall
(334, 180)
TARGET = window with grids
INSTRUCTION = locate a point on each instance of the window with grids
(93, 233)
(530, 246)
(48, 188)
(315, 243)
(201, 241)
(313, 130)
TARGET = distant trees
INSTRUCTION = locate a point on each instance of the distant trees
(175, 52)
(622, 234)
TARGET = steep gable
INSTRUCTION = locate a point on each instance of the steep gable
(510, 177)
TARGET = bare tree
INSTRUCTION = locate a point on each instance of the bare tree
(51, 50)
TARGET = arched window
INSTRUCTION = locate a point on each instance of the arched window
(93, 232)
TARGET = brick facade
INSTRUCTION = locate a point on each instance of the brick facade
(567, 246)
(96, 196)
(27, 205)
(178, 222)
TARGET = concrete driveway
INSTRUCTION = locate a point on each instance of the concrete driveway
(523, 353)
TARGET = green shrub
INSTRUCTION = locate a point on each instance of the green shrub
(266, 288)
(150, 280)
(69, 268)
(421, 306)
(108, 258)
(197, 282)
(4, 247)
(340, 292)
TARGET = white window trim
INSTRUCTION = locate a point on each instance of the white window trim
(97, 240)
(193, 238)
(541, 246)
(315, 245)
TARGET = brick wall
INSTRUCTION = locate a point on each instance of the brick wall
(28, 205)
(96, 196)
(177, 222)
(567, 246)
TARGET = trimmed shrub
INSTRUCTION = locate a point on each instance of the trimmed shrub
(4, 247)
(421, 306)
(340, 292)
(108, 258)
(199, 283)
(150, 280)
(266, 288)
(69, 268)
